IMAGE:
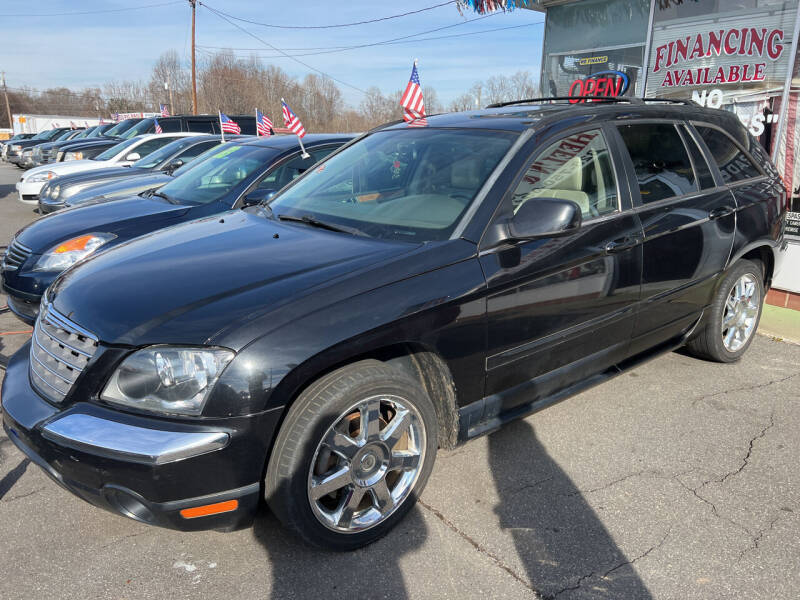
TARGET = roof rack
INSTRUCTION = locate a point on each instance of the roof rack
(609, 99)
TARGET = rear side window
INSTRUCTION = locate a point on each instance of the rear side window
(700, 165)
(576, 168)
(169, 125)
(660, 161)
(733, 163)
(200, 125)
(196, 150)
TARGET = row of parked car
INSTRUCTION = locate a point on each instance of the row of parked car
(69, 143)
(308, 327)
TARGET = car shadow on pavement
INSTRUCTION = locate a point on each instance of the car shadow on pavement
(7, 189)
(560, 540)
(300, 571)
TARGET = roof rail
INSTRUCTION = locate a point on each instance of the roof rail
(576, 99)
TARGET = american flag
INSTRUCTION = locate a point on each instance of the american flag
(413, 106)
(263, 124)
(229, 126)
(164, 110)
(292, 121)
(158, 127)
(72, 125)
(101, 121)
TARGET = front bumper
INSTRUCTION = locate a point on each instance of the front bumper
(144, 468)
(25, 305)
(29, 192)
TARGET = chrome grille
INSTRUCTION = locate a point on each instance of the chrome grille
(60, 350)
(15, 255)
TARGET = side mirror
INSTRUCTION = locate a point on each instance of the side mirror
(257, 196)
(133, 156)
(173, 165)
(544, 217)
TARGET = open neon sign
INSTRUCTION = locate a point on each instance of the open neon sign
(604, 83)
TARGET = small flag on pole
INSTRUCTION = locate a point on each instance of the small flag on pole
(101, 121)
(158, 127)
(228, 125)
(263, 124)
(292, 121)
(72, 125)
(412, 103)
(164, 110)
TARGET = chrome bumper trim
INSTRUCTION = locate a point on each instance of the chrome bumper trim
(130, 443)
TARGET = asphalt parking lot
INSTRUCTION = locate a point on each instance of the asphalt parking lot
(677, 480)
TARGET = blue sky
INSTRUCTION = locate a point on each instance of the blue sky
(88, 50)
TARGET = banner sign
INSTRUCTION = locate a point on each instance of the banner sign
(737, 51)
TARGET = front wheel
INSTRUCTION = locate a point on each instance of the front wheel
(734, 315)
(353, 454)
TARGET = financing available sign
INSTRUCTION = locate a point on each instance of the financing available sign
(682, 60)
(741, 51)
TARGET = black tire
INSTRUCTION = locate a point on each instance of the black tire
(708, 342)
(316, 410)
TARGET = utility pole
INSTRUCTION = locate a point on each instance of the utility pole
(171, 105)
(8, 108)
(194, 70)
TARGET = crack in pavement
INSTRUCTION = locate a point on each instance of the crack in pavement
(20, 496)
(480, 548)
(761, 533)
(743, 388)
(712, 505)
(122, 539)
(635, 559)
(746, 459)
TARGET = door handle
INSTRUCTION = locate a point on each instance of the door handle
(719, 212)
(621, 245)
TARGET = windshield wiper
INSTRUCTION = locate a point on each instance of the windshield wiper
(164, 196)
(309, 220)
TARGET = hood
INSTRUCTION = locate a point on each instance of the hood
(71, 145)
(116, 217)
(120, 186)
(98, 174)
(71, 166)
(184, 284)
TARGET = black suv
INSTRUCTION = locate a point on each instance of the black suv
(420, 287)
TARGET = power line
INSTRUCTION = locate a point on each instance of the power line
(405, 14)
(254, 36)
(95, 12)
(333, 49)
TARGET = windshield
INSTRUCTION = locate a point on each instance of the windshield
(141, 127)
(221, 169)
(122, 126)
(406, 184)
(63, 136)
(42, 135)
(115, 149)
(100, 130)
(51, 135)
(83, 134)
(154, 159)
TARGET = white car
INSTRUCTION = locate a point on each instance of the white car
(122, 154)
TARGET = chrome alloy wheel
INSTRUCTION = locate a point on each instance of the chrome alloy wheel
(366, 464)
(741, 312)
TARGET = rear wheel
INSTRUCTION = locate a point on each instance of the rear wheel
(733, 316)
(352, 456)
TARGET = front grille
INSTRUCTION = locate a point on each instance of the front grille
(15, 255)
(60, 350)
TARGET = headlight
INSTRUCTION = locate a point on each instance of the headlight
(55, 191)
(16, 147)
(59, 156)
(167, 379)
(73, 156)
(71, 251)
(40, 177)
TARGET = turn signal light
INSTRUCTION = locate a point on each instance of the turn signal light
(209, 509)
(78, 243)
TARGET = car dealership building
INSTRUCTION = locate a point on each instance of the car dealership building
(739, 55)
